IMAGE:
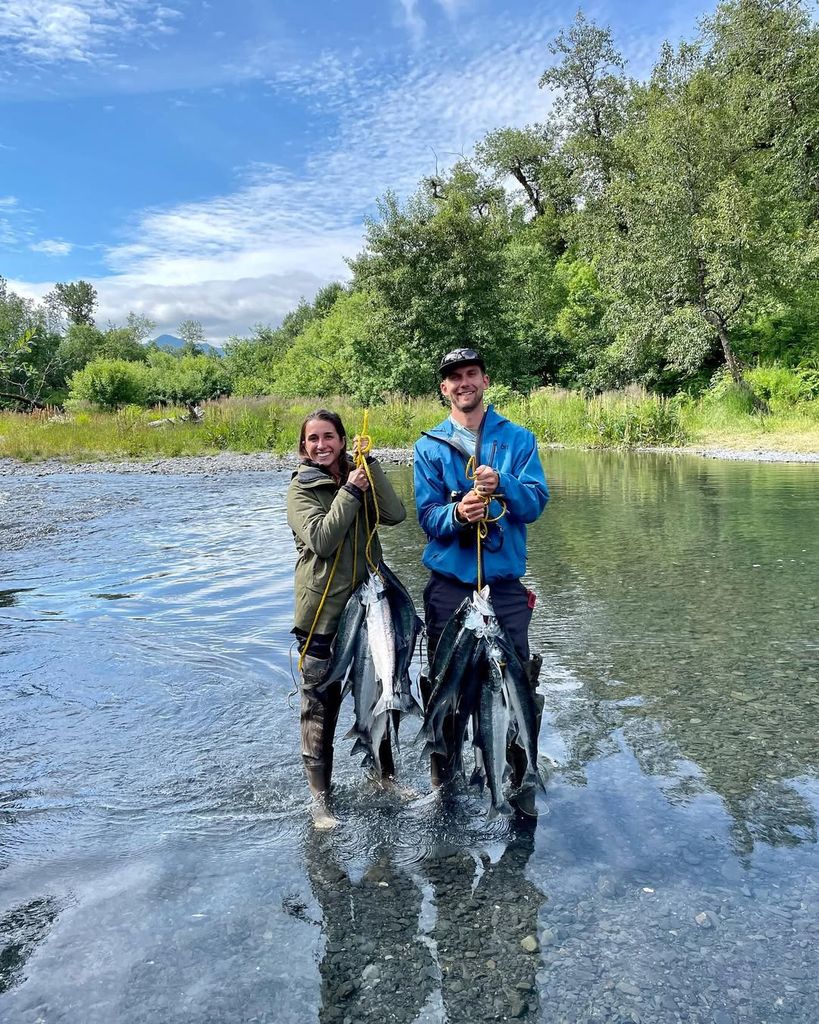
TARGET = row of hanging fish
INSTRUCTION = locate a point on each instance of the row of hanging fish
(372, 653)
(480, 684)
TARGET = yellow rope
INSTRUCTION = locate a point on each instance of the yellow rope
(483, 525)
(365, 444)
(321, 605)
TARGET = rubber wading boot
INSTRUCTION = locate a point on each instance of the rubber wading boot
(320, 812)
(318, 718)
(524, 800)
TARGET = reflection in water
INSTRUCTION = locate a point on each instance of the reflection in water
(685, 595)
(22, 929)
(453, 938)
(8, 598)
(373, 950)
(143, 711)
(485, 932)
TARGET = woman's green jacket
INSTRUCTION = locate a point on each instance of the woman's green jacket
(323, 515)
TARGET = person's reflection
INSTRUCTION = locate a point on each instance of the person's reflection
(375, 966)
(21, 931)
(483, 920)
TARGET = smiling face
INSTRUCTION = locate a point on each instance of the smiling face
(464, 388)
(322, 444)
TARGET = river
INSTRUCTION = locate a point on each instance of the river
(156, 857)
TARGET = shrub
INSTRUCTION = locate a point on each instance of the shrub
(110, 383)
(188, 379)
(652, 421)
(780, 386)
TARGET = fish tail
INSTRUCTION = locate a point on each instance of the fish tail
(504, 809)
(534, 777)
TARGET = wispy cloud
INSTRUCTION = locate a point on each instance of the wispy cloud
(412, 18)
(291, 230)
(49, 31)
(52, 247)
(249, 255)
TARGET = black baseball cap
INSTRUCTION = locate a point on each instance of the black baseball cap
(460, 357)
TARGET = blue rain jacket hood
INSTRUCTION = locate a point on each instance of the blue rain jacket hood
(440, 482)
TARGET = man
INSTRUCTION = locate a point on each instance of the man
(451, 504)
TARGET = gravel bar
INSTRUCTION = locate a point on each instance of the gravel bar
(265, 462)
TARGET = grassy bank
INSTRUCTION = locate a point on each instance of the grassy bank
(620, 419)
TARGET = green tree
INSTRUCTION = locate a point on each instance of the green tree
(139, 326)
(534, 156)
(78, 299)
(712, 228)
(766, 54)
(82, 343)
(30, 368)
(590, 90)
(433, 269)
(186, 380)
(336, 354)
(192, 334)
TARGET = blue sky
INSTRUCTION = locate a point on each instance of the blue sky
(215, 160)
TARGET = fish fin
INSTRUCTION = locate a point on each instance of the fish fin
(408, 705)
(421, 734)
(392, 731)
(477, 778)
(352, 732)
(533, 777)
(379, 708)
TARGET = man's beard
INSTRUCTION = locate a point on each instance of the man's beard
(470, 403)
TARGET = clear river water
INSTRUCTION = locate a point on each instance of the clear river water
(156, 858)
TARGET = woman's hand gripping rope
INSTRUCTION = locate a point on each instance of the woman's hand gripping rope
(362, 446)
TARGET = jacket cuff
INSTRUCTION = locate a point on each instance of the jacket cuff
(355, 491)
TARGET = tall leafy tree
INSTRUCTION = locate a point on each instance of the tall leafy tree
(78, 299)
(590, 93)
(433, 267)
(703, 242)
(192, 334)
(535, 158)
(30, 367)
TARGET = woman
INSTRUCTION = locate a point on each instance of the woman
(328, 509)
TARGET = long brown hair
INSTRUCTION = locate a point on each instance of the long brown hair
(335, 419)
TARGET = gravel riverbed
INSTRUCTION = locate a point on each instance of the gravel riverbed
(263, 462)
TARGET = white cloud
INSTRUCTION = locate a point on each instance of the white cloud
(52, 247)
(249, 255)
(6, 202)
(412, 18)
(283, 234)
(453, 6)
(47, 31)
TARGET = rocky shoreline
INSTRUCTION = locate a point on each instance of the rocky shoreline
(265, 462)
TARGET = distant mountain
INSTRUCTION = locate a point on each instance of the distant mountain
(171, 343)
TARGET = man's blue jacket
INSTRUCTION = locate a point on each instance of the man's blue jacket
(440, 482)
